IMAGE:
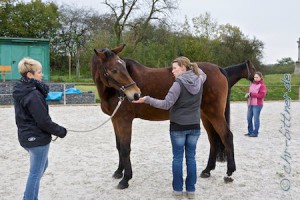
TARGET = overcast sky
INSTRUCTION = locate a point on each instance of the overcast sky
(274, 22)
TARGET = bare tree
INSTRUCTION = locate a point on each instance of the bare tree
(77, 27)
(136, 15)
(206, 26)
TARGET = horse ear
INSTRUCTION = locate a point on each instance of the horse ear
(99, 54)
(118, 49)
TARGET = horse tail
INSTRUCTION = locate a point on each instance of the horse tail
(221, 156)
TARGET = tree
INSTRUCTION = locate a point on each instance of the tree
(235, 47)
(35, 19)
(205, 26)
(285, 61)
(186, 28)
(158, 47)
(136, 16)
(77, 27)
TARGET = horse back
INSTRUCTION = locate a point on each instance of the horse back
(154, 82)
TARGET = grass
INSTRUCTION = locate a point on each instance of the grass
(275, 86)
(87, 88)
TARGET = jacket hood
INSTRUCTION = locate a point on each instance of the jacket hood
(22, 89)
(190, 81)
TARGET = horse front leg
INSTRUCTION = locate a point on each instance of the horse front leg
(119, 172)
(123, 139)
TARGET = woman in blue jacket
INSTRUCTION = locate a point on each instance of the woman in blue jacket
(35, 126)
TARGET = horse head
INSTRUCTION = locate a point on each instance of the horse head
(237, 72)
(112, 71)
(250, 70)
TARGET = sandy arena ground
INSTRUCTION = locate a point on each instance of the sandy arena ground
(81, 165)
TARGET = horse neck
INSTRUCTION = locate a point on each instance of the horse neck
(236, 73)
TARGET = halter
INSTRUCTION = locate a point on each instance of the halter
(248, 71)
(122, 87)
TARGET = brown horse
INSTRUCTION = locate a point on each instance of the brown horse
(234, 73)
(115, 77)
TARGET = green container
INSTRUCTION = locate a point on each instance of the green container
(12, 50)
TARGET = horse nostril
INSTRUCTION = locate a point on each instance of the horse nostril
(136, 96)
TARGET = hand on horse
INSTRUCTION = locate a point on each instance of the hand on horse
(140, 100)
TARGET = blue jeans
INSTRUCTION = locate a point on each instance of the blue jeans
(184, 141)
(253, 113)
(38, 164)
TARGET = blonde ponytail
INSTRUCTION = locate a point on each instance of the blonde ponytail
(184, 61)
(195, 68)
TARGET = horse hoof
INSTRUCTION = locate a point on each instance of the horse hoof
(205, 175)
(122, 186)
(228, 179)
(117, 175)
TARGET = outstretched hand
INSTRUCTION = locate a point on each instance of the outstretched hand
(140, 100)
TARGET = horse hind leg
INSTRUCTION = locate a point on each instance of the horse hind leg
(221, 155)
(211, 133)
(226, 136)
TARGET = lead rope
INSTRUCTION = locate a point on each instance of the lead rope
(121, 99)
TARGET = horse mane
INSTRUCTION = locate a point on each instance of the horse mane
(233, 69)
(131, 64)
(107, 52)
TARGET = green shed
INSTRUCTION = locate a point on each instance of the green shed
(12, 50)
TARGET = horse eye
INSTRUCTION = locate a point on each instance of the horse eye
(114, 71)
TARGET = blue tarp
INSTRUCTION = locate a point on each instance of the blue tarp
(73, 91)
(57, 96)
(54, 96)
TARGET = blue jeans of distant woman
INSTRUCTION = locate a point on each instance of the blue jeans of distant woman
(253, 114)
(38, 164)
(184, 141)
